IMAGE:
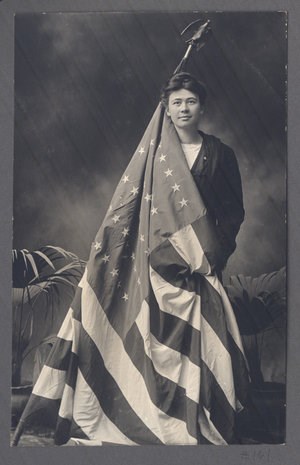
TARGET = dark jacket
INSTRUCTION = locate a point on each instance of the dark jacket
(218, 179)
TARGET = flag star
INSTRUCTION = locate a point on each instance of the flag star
(114, 272)
(125, 232)
(125, 296)
(116, 218)
(139, 281)
(159, 146)
(106, 258)
(148, 197)
(183, 202)
(152, 142)
(142, 237)
(176, 187)
(162, 158)
(125, 178)
(98, 245)
(154, 211)
(135, 269)
(134, 190)
(142, 150)
(133, 256)
(147, 252)
(168, 172)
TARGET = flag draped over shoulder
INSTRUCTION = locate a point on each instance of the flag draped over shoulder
(149, 352)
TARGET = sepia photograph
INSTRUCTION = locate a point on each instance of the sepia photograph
(149, 261)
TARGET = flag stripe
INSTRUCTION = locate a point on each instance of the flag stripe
(60, 354)
(66, 408)
(221, 366)
(176, 301)
(110, 396)
(39, 408)
(171, 267)
(176, 276)
(214, 400)
(121, 367)
(186, 243)
(239, 365)
(168, 362)
(89, 414)
(205, 231)
(174, 332)
(167, 395)
(166, 340)
(214, 309)
(65, 429)
(208, 428)
(51, 383)
(76, 302)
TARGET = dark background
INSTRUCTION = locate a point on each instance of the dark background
(86, 86)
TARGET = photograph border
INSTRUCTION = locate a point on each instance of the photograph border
(264, 454)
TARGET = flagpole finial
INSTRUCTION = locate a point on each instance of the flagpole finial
(198, 39)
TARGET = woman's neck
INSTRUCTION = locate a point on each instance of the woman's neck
(189, 137)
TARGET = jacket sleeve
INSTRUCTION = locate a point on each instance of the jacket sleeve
(229, 210)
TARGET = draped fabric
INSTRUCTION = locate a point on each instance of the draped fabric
(149, 352)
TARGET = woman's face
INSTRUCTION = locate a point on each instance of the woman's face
(184, 109)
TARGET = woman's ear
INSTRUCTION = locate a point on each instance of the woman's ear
(167, 111)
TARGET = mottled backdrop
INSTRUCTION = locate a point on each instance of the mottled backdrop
(86, 85)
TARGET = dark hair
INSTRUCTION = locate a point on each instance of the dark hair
(186, 81)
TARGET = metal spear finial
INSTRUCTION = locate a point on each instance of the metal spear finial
(199, 38)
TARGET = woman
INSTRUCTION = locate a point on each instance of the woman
(212, 163)
(150, 352)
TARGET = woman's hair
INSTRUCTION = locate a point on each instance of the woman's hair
(186, 81)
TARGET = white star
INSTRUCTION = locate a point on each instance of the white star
(134, 190)
(135, 269)
(98, 245)
(154, 211)
(133, 256)
(162, 158)
(148, 197)
(125, 178)
(147, 252)
(142, 150)
(106, 258)
(152, 142)
(183, 202)
(176, 187)
(142, 237)
(139, 281)
(125, 296)
(168, 172)
(125, 232)
(116, 218)
(159, 146)
(114, 272)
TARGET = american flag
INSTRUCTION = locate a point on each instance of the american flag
(149, 352)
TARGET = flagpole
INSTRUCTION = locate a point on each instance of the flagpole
(197, 41)
(18, 432)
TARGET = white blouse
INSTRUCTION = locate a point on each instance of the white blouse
(191, 151)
